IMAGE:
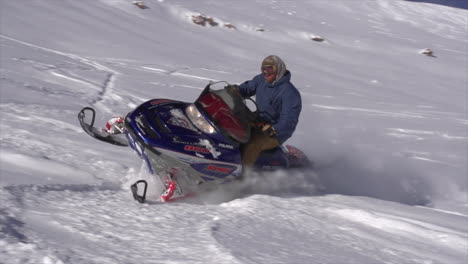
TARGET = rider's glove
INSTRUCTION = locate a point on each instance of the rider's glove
(115, 125)
(233, 88)
(268, 130)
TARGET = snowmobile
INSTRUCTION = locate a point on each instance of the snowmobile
(191, 147)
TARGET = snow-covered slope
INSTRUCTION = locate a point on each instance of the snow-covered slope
(386, 126)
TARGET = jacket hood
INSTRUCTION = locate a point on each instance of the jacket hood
(279, 65)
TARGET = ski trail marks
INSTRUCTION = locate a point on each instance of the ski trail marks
(106, 87)
(176, 73)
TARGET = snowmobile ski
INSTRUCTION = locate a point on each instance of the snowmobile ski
(102, 135)
(134, 189)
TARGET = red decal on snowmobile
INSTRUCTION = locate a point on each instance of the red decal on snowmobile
(196, 149)
(160, 101)
(219, 169)
(216, 170)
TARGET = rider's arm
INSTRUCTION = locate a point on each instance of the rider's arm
(249, 88)
(289, 116)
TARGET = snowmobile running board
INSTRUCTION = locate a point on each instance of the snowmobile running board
(96, 133)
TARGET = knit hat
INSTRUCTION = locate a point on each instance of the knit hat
(278, 65)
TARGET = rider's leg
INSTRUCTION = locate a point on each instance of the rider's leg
(257, 143)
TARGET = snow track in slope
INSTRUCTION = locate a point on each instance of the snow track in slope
(106, 86)
(361, 231)
(105, 225)
(86, 215)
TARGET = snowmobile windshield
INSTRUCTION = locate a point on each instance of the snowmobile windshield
(228, 112)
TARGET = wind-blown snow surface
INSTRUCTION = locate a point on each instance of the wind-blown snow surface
(385, 125)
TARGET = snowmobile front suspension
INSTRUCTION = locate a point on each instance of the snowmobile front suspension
(170, 188)
(170, 185)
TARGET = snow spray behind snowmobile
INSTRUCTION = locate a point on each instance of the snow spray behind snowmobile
(191, 147)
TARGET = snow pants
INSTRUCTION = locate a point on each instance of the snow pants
(258, 142)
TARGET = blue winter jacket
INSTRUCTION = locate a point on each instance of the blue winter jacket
(278, 103)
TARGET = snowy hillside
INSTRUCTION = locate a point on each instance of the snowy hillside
(385, 125)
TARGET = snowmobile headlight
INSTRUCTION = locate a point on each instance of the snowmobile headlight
(199, 120)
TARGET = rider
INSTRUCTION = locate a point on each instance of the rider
(279, 105)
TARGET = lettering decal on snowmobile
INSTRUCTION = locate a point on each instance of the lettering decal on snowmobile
(226, 146)
(177, 140)
(196, 149)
